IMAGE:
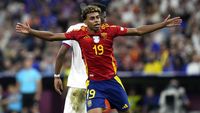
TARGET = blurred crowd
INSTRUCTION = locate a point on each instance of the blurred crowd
(172, 99)
(167, 51)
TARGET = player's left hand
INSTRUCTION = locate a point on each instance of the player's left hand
(171, 22)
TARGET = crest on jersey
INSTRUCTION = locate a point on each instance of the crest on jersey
(104, 35)
(96, 39)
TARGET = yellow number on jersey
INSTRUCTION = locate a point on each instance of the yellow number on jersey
(91, 93)
(98, 49)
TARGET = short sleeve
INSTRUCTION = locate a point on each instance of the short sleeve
(73, 31)
(71, 28)
(70, 35)
(67, 42)
(118, 30)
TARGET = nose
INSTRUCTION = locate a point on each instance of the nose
(97, 19)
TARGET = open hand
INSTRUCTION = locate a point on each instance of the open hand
(22, 28)
(171, 22)
(58, 85)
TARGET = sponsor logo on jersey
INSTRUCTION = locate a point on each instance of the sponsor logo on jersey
(89, 103)
(96, 39)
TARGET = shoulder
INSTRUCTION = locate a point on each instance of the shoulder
(35, 71)
(76, 27)
(105, 26)
(20, 72)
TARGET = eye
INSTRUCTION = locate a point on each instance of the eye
(98, 17)
(92, 18)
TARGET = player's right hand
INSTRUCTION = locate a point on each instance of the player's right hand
(58, 85)
(23, 28)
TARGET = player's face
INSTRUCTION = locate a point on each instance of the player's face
(93, 21)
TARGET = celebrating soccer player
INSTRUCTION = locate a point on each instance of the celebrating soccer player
(96, 40)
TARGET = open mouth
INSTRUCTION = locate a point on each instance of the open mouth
(97, 25)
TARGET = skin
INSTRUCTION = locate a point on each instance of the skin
(93, 27)
(93, 22)
(61, 54)
(59, 61)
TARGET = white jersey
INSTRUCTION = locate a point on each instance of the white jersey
(77, 76)
(75, 101)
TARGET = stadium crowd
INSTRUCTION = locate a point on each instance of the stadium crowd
(164, 52)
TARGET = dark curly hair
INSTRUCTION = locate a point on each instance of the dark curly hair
(90, 9)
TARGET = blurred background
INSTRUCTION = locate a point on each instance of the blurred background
(161, 70)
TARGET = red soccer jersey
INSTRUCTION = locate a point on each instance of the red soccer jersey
(97, 50)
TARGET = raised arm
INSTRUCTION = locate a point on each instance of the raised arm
(150, 28)
(44, 35)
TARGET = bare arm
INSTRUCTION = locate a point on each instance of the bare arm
(44, 35)
(60, 58)
(59, 62)
(151, 28)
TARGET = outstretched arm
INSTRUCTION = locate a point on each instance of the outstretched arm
(59, 62)
(45, 35)
(150, 28)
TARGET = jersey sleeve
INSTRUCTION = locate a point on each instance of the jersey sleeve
(118, 30)
(70, 35)
(73, 31)
(68, 42)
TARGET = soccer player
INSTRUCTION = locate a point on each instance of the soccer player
(75, 99)
(77, 76)
(96, 42)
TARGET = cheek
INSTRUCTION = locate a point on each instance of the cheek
(90, 23)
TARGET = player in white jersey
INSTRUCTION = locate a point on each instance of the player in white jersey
(75, 100)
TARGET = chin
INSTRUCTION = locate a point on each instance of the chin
(96, 29)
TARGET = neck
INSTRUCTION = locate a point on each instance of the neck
(92, 30)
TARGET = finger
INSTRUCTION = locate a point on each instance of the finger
(27, 24)
(19, 24)
(18, 30)
(174, 19)
(57, 89)
(178, 21)
(19, 27)
(168, 17)
(61, 87)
